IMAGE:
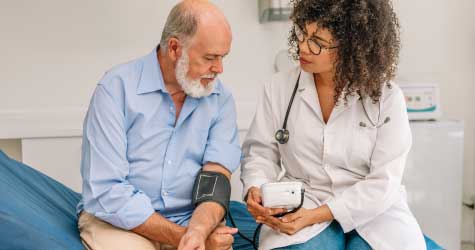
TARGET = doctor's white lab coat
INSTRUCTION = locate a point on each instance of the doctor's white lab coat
(356, 170)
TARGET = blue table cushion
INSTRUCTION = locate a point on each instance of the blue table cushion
(36, 212)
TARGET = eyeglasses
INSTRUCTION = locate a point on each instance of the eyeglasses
(312, 43)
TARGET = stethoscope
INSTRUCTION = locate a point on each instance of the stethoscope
(282, 135)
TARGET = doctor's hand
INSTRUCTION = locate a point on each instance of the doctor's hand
(254, 204)
(294, 222)
(291, 223)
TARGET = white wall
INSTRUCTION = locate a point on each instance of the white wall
(53, 52)
(439, 46)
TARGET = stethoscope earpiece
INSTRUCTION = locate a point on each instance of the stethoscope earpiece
(282, 136)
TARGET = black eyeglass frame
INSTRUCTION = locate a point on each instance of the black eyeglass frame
(300, 34)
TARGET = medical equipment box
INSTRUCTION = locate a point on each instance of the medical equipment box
(422, 100)
(282, 194)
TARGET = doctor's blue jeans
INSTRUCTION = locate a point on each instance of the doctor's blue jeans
(332, 238)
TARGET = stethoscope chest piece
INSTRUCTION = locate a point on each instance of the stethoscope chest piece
(282, 136)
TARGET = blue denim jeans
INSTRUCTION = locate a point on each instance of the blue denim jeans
(333, 238)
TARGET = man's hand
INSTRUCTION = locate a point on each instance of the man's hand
(192, 240)
(254, 204)
(220, 239)
(158, 228)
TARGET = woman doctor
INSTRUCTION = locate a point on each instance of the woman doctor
(346, 137)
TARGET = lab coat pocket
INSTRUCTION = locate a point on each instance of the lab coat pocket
(361, 148)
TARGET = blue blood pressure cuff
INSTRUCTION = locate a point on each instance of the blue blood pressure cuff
(212, 186)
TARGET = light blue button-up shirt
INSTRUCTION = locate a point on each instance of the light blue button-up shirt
(135, 160)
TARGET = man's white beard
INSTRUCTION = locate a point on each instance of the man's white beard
(192, 87)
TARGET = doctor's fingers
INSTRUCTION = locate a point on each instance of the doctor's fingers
(255, 208)
(274, 211)
(258, 210)
(287, 228)
(291, 217)
(269, 221)
(255, 194)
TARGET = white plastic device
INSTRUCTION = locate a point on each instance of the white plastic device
(281, 194)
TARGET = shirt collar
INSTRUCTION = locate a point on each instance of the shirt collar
(151, 78)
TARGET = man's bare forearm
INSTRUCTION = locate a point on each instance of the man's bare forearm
(206, 217)
(158, 228)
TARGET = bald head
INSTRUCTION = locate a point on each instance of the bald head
(195, 40)
(190, 17)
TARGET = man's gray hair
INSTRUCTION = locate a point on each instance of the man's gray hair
(181, 24)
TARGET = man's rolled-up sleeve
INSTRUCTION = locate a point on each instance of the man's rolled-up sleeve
(223, 139)
(104, 166)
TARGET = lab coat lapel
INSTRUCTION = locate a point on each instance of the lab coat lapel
(341, 107)
(309, 94)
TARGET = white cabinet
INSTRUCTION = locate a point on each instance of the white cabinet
(433, 179)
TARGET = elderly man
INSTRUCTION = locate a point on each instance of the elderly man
(153, 125)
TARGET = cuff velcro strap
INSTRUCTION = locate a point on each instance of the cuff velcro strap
(212, 186)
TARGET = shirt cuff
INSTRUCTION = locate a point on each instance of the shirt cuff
(134, 213)
(225, 154)
(341, 214)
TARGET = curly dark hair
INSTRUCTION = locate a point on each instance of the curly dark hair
(367, 34)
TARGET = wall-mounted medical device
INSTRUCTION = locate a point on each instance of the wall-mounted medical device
(274, 10)
(422, 100)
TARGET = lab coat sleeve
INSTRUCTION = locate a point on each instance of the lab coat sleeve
(381, 188)
(261, 161)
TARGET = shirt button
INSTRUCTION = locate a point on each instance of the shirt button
(169, 162)
(171, 108)
(165, 193)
